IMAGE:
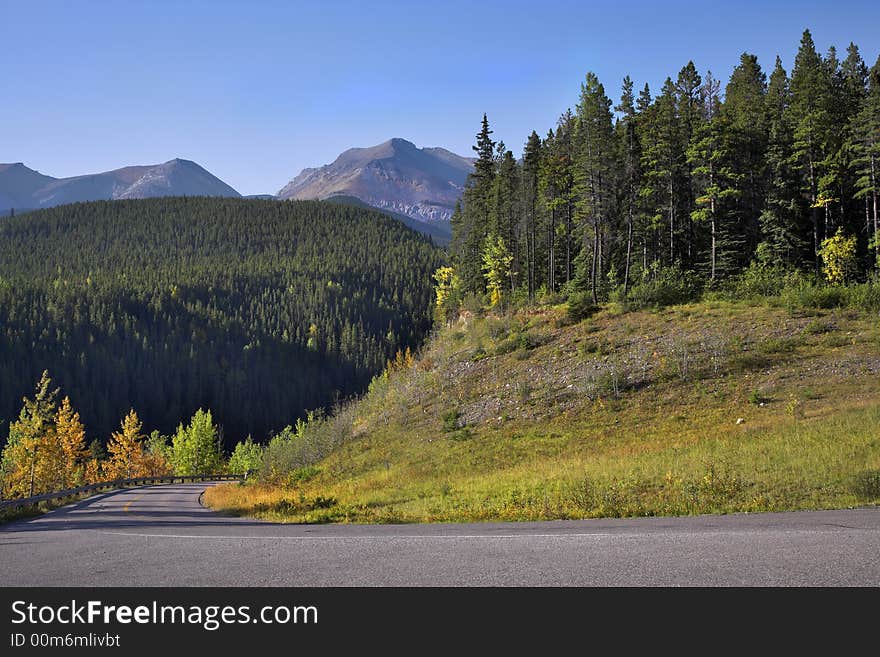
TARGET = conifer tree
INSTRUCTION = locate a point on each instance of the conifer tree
(781, 215)
(689, 114)
(743, 113)
(710, 157)
(866, 143)
(593, 177)
(629, 159)
(810, 117)
(474, 219)
(662, 159)
(531, 168)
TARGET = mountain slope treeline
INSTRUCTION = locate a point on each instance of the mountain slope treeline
(692, 184)
(255, 309)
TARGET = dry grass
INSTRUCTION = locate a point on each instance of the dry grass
(710, 407)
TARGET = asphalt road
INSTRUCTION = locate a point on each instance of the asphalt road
(162, 536)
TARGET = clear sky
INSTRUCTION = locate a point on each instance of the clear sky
(256, 91)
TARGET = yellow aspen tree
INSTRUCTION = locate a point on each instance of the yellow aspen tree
(27, 459)
(71, 437)
(496, 267)
(126, 449)
(49, 470)
(93, 471)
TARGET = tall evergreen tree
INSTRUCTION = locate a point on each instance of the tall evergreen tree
(866, 142)
(710, 156)
(743, 112)
(475, 218)
(781, 217)
(663, 156)
(811, 120)
(629, 163)
(531, 169)
(593, 176)
(689, 112)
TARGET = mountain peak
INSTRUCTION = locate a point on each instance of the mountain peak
(396, 175)
(21, 187)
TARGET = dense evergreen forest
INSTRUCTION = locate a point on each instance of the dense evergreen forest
(255, 309)
(690, 184)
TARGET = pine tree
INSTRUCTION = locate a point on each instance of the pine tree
(505, 207)
(811, 119)
(474, 221)
(866, 143)
(663, 156)
(710, 157)
(531, 169)
(850, 92)
(743, 112)
(780, 219)
(593, 177)
(689, 112)
(629, 164)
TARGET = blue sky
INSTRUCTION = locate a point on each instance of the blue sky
(256, 91)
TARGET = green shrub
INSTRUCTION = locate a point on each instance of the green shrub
(806, 294)
(760, 280)
(450, 420)
(865, 296)
(664, 286)
(580, 307)
(817, 327)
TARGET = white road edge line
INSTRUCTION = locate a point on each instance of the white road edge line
(353, 537)
(648, 534)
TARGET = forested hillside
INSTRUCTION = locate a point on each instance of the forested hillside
(255, 309)
(693, 184)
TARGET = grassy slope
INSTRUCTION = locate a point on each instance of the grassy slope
(710, 407)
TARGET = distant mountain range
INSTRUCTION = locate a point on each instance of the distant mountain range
(397, 176)
(22, 188)
(418, 186)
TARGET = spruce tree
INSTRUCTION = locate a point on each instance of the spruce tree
(593, 177)
(531, 211)
(629, 164)
(811, 121)
(710, 157)
(475, 215)
(781, 219)
(744, 116)
(866, 143)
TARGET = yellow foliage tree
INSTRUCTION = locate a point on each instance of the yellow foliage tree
(71, 436)
(126, 447)
(403, 360)
(838, 257)
(496, 268)
(31, 458)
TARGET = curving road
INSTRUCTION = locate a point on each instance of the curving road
(162, 536)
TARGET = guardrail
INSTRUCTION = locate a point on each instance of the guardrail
(118, 483)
